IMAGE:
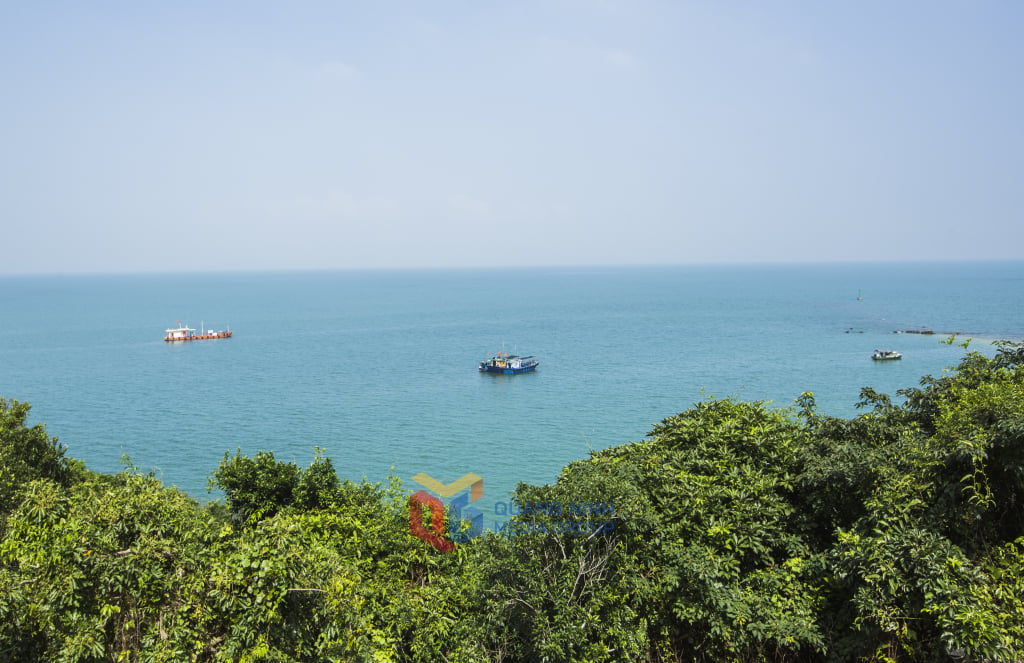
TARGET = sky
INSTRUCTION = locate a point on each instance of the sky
(211, 136)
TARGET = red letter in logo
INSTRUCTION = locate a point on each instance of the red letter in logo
(435, 538)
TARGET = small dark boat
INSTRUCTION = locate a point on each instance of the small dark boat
(886, 355)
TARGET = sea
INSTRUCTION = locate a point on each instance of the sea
(379, 369)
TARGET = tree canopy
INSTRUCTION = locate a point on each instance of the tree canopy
(733, 532)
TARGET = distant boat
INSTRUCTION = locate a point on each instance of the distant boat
(859, 298)
(886, 355)
(186, 333)
(508, 364)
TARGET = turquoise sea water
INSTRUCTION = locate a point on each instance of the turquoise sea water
(379, 368)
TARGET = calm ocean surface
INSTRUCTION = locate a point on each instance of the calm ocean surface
(379, 368)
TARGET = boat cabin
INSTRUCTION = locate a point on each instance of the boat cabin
(179, 334)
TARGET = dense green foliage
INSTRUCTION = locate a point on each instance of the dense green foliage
(733, 532)
(260, 487)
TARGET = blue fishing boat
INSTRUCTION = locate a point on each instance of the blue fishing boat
(508, 364)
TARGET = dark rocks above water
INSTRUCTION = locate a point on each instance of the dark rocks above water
(927, 332)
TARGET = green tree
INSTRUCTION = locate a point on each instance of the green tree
(110, 569)
(27, 453)
(258, 487)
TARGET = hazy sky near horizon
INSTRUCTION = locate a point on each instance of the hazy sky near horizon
(139, 137)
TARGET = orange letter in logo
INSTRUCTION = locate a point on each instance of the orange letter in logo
(436, 537)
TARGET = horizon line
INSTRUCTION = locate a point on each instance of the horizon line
(497, 268)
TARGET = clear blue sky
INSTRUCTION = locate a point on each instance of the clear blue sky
(139, 136)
